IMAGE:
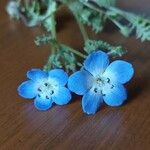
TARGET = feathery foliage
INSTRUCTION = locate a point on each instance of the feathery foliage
(86, 12)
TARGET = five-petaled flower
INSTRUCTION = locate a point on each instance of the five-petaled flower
(99, 81)
(46, 87)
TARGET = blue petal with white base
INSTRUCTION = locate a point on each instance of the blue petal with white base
(91, 102)
(96, 63)
(115, 96)
(62, 96)
(80, 82)
(27, 89)
(59, 75)
(36, 74)
(119, 71)
(42, 104)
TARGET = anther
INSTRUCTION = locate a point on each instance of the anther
(112, 86)
(47, 97)
(52, 92)
(39, 90)
(95, 90)
(46, 84)
(39, 95)
(108, 80)
(98, 80)
(103, 93)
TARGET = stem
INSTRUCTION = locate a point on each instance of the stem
(73, 50)
(54, 36)
(110, 8)
(53, 32)
(56, 44)
(104, 12)
(81, 26)
(82, 29)
(92, 7)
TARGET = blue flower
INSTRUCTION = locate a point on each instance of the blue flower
(100, 81)
(46, 87)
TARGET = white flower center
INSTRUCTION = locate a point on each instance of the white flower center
(100, 84)
(47, 88)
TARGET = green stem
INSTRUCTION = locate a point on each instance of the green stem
(103, 12)
(73, 50)
(54, 36)
(92, 7)
(57, 45)
(81, 26)
(122, 13)
(53, 32)
(82, 29)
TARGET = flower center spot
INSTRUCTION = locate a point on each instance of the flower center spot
(95, 90)
(102, 83)
(45, 90)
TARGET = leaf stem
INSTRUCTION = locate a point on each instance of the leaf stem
(57, 44)
(73, 50)
(82, 28)
(53, 31)
(54, 36)
(53, 48)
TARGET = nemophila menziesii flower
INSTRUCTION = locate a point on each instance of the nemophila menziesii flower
(100, 81)
(46, 87)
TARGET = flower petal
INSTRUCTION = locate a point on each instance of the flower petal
(115, 96)
(96, 63)
(62, 96)
(36, 74)
(42, 104)
(27, 89)
(60, 75)
(119, 71)
(91, 102)
(80, 82)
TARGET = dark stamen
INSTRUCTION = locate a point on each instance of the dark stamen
(39, 95)
(103, 94)
(47, 97)
(108, 80)
(46, 84)
(98, 80)
(39, 90)
(95, 90)
(52, 92)
(112, 86)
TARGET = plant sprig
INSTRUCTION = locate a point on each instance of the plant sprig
(134, 22)
(86, 12)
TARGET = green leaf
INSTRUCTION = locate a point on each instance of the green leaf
(43, 39)
(68, 58)
(114, 51)
(53, 62)
(88, 16)
(36, 12)
(142, 26)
